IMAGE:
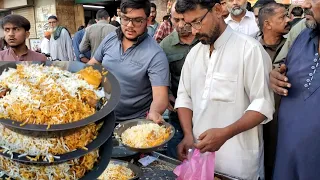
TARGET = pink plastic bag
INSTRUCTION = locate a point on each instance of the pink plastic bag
(199, 167)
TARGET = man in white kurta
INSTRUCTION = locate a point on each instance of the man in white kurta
(61, 48)
(222, 89)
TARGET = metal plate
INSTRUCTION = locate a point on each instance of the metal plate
(104, 134)
(135, 169)
(109, 83)
(121, 127)
(119, 151)
(105, 155)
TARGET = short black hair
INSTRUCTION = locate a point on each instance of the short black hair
(136, 4)
(91, 21)
(188, 5)
(267, 11)
(166, 17)
(297, 11)
(115, 23)
(17, 20)
(257, 6)
(53, 17)
(80, 28)
(153, 5)
(102, 13)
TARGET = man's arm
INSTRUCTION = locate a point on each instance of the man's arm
(98, 56)
(185, 110)
(158, 72)
(76, 40)
(93, 61)
(159, 103)
(68, 42)
(85, 43)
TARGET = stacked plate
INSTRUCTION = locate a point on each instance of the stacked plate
(92, 133)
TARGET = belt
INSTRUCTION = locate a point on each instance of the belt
(56, 60)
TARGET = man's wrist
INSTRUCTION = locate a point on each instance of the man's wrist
(229, 131)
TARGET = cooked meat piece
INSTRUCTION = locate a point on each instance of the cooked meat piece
(3, 91)
(92, 102)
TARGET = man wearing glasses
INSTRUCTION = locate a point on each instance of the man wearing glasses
(223, 95)
(139, 64)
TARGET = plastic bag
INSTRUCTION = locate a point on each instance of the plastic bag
(198, 167)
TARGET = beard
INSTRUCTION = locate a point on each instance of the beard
(236, 11)
(184, 32)
(209, 38)
(153, 19)
(310, 23)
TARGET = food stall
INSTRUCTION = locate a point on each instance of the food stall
(57, 122)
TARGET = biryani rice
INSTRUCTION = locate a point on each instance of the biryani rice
(46, 95)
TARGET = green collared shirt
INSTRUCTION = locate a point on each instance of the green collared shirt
(176, 52)
(272, 50)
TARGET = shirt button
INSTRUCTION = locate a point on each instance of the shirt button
(310, 74)
(313, 67)
(316, 54)
(315, 60)
(306, 85)
(308, 80)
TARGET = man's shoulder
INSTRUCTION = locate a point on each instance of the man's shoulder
(244, 39)
(151, 44)
(304, 35)
(4, 51)
(196, 49)
(167, 41)
(111, 38)
(78, 33)
(36, 54)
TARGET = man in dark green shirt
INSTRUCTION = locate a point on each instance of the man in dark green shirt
(176, 46)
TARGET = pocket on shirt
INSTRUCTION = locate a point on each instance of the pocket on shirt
(223, 87)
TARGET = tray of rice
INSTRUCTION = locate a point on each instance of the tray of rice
(120, 170)
(143, 135)
(54, 150)
(55, 96)
(88, 167)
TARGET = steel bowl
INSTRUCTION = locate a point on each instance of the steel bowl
(121, 127)
(101, 165)
(134, 168)
(109, 83)
(104, 133)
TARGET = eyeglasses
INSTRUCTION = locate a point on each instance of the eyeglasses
(136, 22)
(197, 25)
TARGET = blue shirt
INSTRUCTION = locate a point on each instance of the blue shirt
(137, 69)
(298, 146)
(76, 42)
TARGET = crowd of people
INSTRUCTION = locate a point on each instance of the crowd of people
(238, 81)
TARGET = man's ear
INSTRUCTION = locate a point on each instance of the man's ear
(218, 9)
(27, 34)
(267, 24)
